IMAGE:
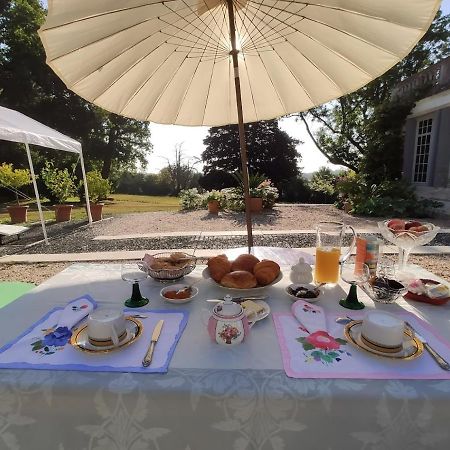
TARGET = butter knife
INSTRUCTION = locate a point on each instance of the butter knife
(436, 356)
(155, 336)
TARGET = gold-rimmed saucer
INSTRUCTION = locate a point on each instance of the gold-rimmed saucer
(80, 340)
(412, 348)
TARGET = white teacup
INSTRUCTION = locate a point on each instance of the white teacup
(383, 331)
(106, 327)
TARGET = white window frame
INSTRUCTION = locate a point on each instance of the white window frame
(430, 149)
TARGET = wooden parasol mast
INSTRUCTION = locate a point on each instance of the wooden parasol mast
(243, 145)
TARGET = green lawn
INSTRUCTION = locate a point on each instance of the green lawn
(117, 204)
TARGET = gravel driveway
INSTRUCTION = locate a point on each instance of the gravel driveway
(75, 237)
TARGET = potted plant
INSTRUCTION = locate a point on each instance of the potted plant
(213, 199)
(99, 188)
(15, 178)
(62, 185)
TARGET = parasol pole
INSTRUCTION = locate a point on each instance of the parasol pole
(243, 145)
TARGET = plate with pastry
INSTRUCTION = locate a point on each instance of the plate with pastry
(246, 273)
(255, 310)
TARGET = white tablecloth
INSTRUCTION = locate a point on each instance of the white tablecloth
(212, 397)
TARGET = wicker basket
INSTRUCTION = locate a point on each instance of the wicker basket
(171, 274)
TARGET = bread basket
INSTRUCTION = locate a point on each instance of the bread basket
(171, 274)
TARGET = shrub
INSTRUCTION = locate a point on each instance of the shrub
(387, 198)
(14, 178)
(190, 199)
(60, 183)
(98, 187)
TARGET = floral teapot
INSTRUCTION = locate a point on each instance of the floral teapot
(228, 324)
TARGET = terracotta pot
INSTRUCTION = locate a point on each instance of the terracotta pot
(96, 211)
(213, 207)
(18, 213)
(63, 213)
(256, 204)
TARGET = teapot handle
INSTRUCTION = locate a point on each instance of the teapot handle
(352, 245)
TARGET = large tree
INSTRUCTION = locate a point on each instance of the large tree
(30, 86)
(271, 151)
(351, 125)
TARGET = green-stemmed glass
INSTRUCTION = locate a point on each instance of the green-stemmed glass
(134, 273)
(353, 274)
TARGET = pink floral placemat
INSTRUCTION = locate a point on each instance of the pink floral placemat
(327, 354)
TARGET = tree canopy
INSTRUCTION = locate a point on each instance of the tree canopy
(30, 86)
(271, 151)
(352, 127)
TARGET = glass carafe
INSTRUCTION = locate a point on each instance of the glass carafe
(329, 239)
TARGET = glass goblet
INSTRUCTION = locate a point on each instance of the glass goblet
(134, 273)
(355, 275)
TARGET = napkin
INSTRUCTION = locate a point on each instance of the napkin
(311, 317)
(74, 312)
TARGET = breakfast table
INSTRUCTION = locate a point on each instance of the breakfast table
(214, 396)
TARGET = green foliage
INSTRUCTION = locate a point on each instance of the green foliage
(210, 196)
(270, 151)
(190, 199)
(59, 181)
(29, 85)
(98, 187)
(324, 182)
(387, 198)
(15, 178)
(365, 122)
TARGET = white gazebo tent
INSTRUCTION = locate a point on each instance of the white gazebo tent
(17, 127)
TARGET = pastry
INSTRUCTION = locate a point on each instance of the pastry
(266, 271)
(218, 267)
(244, 262)
(239, 279)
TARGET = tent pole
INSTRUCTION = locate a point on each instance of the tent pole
(38, 200)
(243, 145)
(86, 192)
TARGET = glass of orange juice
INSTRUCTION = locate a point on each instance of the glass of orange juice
(329, 239)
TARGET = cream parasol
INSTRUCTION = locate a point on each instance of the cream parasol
(217, 62)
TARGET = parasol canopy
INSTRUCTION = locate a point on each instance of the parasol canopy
(217, 62)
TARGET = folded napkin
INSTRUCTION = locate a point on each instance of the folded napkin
(74, 312)
(311, 317)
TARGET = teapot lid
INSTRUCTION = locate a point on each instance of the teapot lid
(228, 308)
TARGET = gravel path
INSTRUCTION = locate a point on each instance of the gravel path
(75, 237)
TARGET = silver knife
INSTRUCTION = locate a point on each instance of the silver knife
(436, 356)
(155, 336)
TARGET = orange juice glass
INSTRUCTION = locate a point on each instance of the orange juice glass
(329, 239)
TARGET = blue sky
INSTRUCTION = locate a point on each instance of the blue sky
(166, 137)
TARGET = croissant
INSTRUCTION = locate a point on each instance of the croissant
(266, 271)
(244, 262)
(218, 267)
(239, 279)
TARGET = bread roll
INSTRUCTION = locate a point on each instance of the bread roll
(266, 271)
(239, 279)
(244, 262)
(218, 266)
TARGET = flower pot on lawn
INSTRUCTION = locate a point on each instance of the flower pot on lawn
(256, 204)
(63, 213)
(213, 207)
(18, 213)
(96, 211)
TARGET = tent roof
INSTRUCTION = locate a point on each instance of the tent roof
(17, 127)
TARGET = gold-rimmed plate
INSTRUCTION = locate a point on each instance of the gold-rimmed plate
(412, 348)
(80, 341)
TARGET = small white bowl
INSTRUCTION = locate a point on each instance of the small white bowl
(310, 287)
(177, 287)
